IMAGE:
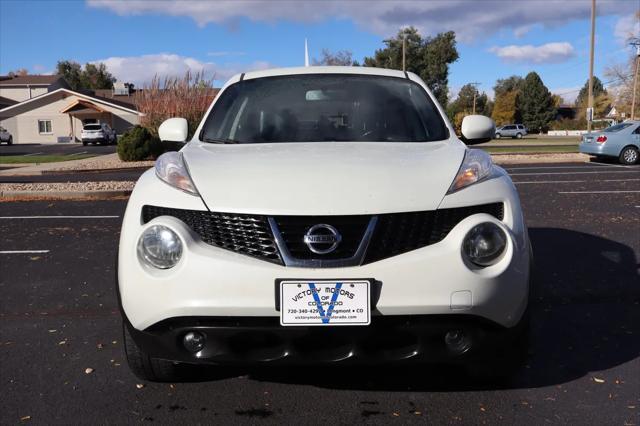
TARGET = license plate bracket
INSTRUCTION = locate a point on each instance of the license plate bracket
(324, 302)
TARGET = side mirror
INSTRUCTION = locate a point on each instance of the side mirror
(477, 129)
(174, 130)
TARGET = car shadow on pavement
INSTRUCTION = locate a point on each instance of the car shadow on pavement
(585, 317)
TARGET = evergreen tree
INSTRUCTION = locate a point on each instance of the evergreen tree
(536, 103)
(428, 57)
(583, 97)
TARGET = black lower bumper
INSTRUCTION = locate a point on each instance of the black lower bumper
(258, 340)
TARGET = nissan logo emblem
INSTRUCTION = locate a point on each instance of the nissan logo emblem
(322, 238)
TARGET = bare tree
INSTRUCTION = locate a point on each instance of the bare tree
(341, 58)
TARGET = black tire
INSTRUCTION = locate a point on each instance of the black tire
(84, 143)
(498, 135)
(147, 368)
(629, 155)
(518, 135)
(10, 142)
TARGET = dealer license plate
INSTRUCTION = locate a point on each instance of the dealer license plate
(325, 302)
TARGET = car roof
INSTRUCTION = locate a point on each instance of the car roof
(322, 70)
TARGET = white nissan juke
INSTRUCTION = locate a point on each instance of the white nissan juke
(324, 215)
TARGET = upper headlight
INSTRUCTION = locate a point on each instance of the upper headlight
(171, 169)
(476, 166)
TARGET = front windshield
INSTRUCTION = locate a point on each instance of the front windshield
(324, 107)
(617, 127)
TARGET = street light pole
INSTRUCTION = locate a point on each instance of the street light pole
(635, 43)
(593, 31)
(475, 85)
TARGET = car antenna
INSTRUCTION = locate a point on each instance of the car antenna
(306, 54)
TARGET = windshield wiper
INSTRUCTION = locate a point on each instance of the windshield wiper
(222, 141)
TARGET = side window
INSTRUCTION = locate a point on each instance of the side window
(637, 131)
(44, 126)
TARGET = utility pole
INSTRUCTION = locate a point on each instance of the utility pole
(404, 53)
(475, 85)
(635, 42)
(593, 34)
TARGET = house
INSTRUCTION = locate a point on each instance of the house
(18, 88)
(52, 114)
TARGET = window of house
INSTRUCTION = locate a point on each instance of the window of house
(44, 126)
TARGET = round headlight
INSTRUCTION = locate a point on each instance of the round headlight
(159, 247)
(484, 244)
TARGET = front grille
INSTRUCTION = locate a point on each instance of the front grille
(351, 228)
(394, 234)
(398, 233)
(241, 233)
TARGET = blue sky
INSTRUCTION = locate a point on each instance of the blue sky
(138, 39)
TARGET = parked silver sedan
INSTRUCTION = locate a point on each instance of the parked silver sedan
(621, 141)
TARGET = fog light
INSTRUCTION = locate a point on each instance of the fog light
(159, 247)
(193, 341)
(457, 342)
(484, 244)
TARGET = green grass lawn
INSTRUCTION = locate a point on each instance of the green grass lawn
(535, 140)
(32, 159)
(530, 149)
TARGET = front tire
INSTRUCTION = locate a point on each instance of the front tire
(10, 141)
(145, 367)
(84, 143)
(629, 155)
(498, 135)
(518, 135)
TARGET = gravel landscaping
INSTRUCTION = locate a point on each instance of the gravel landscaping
(68, 186)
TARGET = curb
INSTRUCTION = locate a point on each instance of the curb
(120, 169)
(65, 195)
(18, 172)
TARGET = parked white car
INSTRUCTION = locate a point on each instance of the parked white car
(5, 136)
(98, 133)
(324, 214)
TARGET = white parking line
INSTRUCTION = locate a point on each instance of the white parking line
(573, 173)
(560, 167)
(59, 217)
(598, 192)
(35, 153)
(575, 181)
(77, 153)
(23, 251)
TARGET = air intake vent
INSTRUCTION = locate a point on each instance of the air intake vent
(241, 233)
(394, 233)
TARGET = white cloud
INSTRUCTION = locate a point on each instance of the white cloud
(626, 27)
(141, 69)
(469, 19)
(544, 54)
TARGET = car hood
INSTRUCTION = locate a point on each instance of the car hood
(325, 178)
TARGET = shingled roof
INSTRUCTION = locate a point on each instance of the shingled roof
(23, 80)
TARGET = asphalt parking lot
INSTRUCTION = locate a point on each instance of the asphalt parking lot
(59, 316)
(55, 149)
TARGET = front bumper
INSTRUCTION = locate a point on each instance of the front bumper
(260, 340)
(434, 280)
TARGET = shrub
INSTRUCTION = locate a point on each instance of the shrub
(139, 144)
